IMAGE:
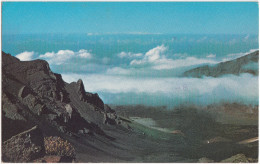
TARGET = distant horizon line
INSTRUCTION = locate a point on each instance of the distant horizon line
(125, 33)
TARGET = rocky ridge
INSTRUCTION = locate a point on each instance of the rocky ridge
(33, 95)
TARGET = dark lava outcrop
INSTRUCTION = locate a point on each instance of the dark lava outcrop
(244, 64)
(33, 95)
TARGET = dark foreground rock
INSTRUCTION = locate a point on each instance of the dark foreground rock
(33, 95)
(24, 147)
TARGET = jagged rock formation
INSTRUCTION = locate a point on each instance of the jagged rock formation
(24, 147)
(244, 64)
(88, 97)
(33, 95)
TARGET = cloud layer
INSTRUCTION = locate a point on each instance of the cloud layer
(63, 56)
(171, 91)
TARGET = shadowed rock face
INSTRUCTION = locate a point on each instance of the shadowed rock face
(33, 94)
(88, 97)
(236, 67)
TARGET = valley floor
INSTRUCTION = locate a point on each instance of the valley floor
(146, 141)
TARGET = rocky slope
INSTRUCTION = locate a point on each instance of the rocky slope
(33, 95)
(244, 64)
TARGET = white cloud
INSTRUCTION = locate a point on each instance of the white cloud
(151, 56)
(58, 58)
(155, 53)
(25, 56)
(129, 54)
(84, 54)
(157, 59)
(211, 56)
(62, 56)
(47, 55)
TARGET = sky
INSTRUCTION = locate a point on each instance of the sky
(130, 17)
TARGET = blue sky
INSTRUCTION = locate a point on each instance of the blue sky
(130, 17)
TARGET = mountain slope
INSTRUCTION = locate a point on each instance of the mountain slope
(244, 64)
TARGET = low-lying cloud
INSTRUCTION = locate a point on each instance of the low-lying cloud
(170, 91)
